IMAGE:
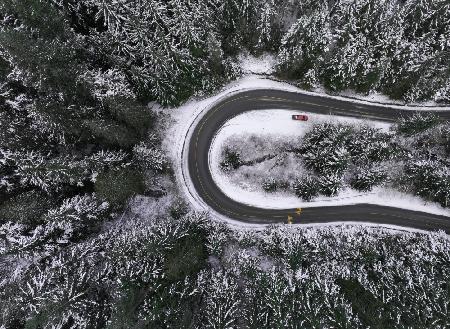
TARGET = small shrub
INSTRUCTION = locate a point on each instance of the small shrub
(284, 185)
(416, 123)
(330, 185)
(306, 188)
(366, 179)
(270, 185)
(232, 160)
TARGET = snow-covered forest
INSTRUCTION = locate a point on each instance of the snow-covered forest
(400, 48)
(80, 142)
(192, 273)
(413, 157)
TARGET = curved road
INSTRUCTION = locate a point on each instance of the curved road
(224, 110)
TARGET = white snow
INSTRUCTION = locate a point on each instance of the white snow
(377, 97)
(176, 138)
(279, 123)
(373, 99)
(263, 64)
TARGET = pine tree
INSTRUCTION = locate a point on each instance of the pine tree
(117, 185)
(268, 27)
(369, 144)
(325, 148)
(304, 45)
(443, 94)
(53, 173)
(73, 220)
(366, 178)
(161, 45)
(149, 157)
(416, 123)
(232, 160)
(330, 185)
(269, 185)
(26, 208)
(429, 179)
(306, 188)
(222, 302)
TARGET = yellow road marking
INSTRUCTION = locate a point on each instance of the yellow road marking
(217, 107)
(289, 219)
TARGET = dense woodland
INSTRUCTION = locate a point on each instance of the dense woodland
(191, 273)
(78, 141)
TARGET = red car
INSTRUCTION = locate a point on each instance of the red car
(300, 117)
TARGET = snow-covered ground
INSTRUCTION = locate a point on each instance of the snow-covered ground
(264, 64)
(276, 123)
(186, 116)
(379, 98)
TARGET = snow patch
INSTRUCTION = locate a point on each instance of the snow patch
(377, 98)
(263, 64)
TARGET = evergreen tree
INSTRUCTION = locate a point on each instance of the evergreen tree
(221, 302)
(429, 179)
(73, 220)
(306, 188)
(232, 160)
(268, 27)
(416, 123)
(150, 157)
(325, 148)
(330, 185)
(304, 45)
(366, 178)
(367, 45)
(270, 185)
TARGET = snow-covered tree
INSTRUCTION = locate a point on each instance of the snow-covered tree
(53, 173)
(74, 219)
(231, 159)
(416, 123)
(159, 44)
(306, 188)
(443, 93)
(429, 179)
(325, 148)
(221, 302)
(366, 178)
(149, 157)
(331, 184)
(268, 26)
(304, 45)
(269, 184)
(111, 83)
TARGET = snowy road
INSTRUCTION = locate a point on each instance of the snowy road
(201, 178)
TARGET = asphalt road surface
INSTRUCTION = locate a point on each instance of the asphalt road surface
(259, 99)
